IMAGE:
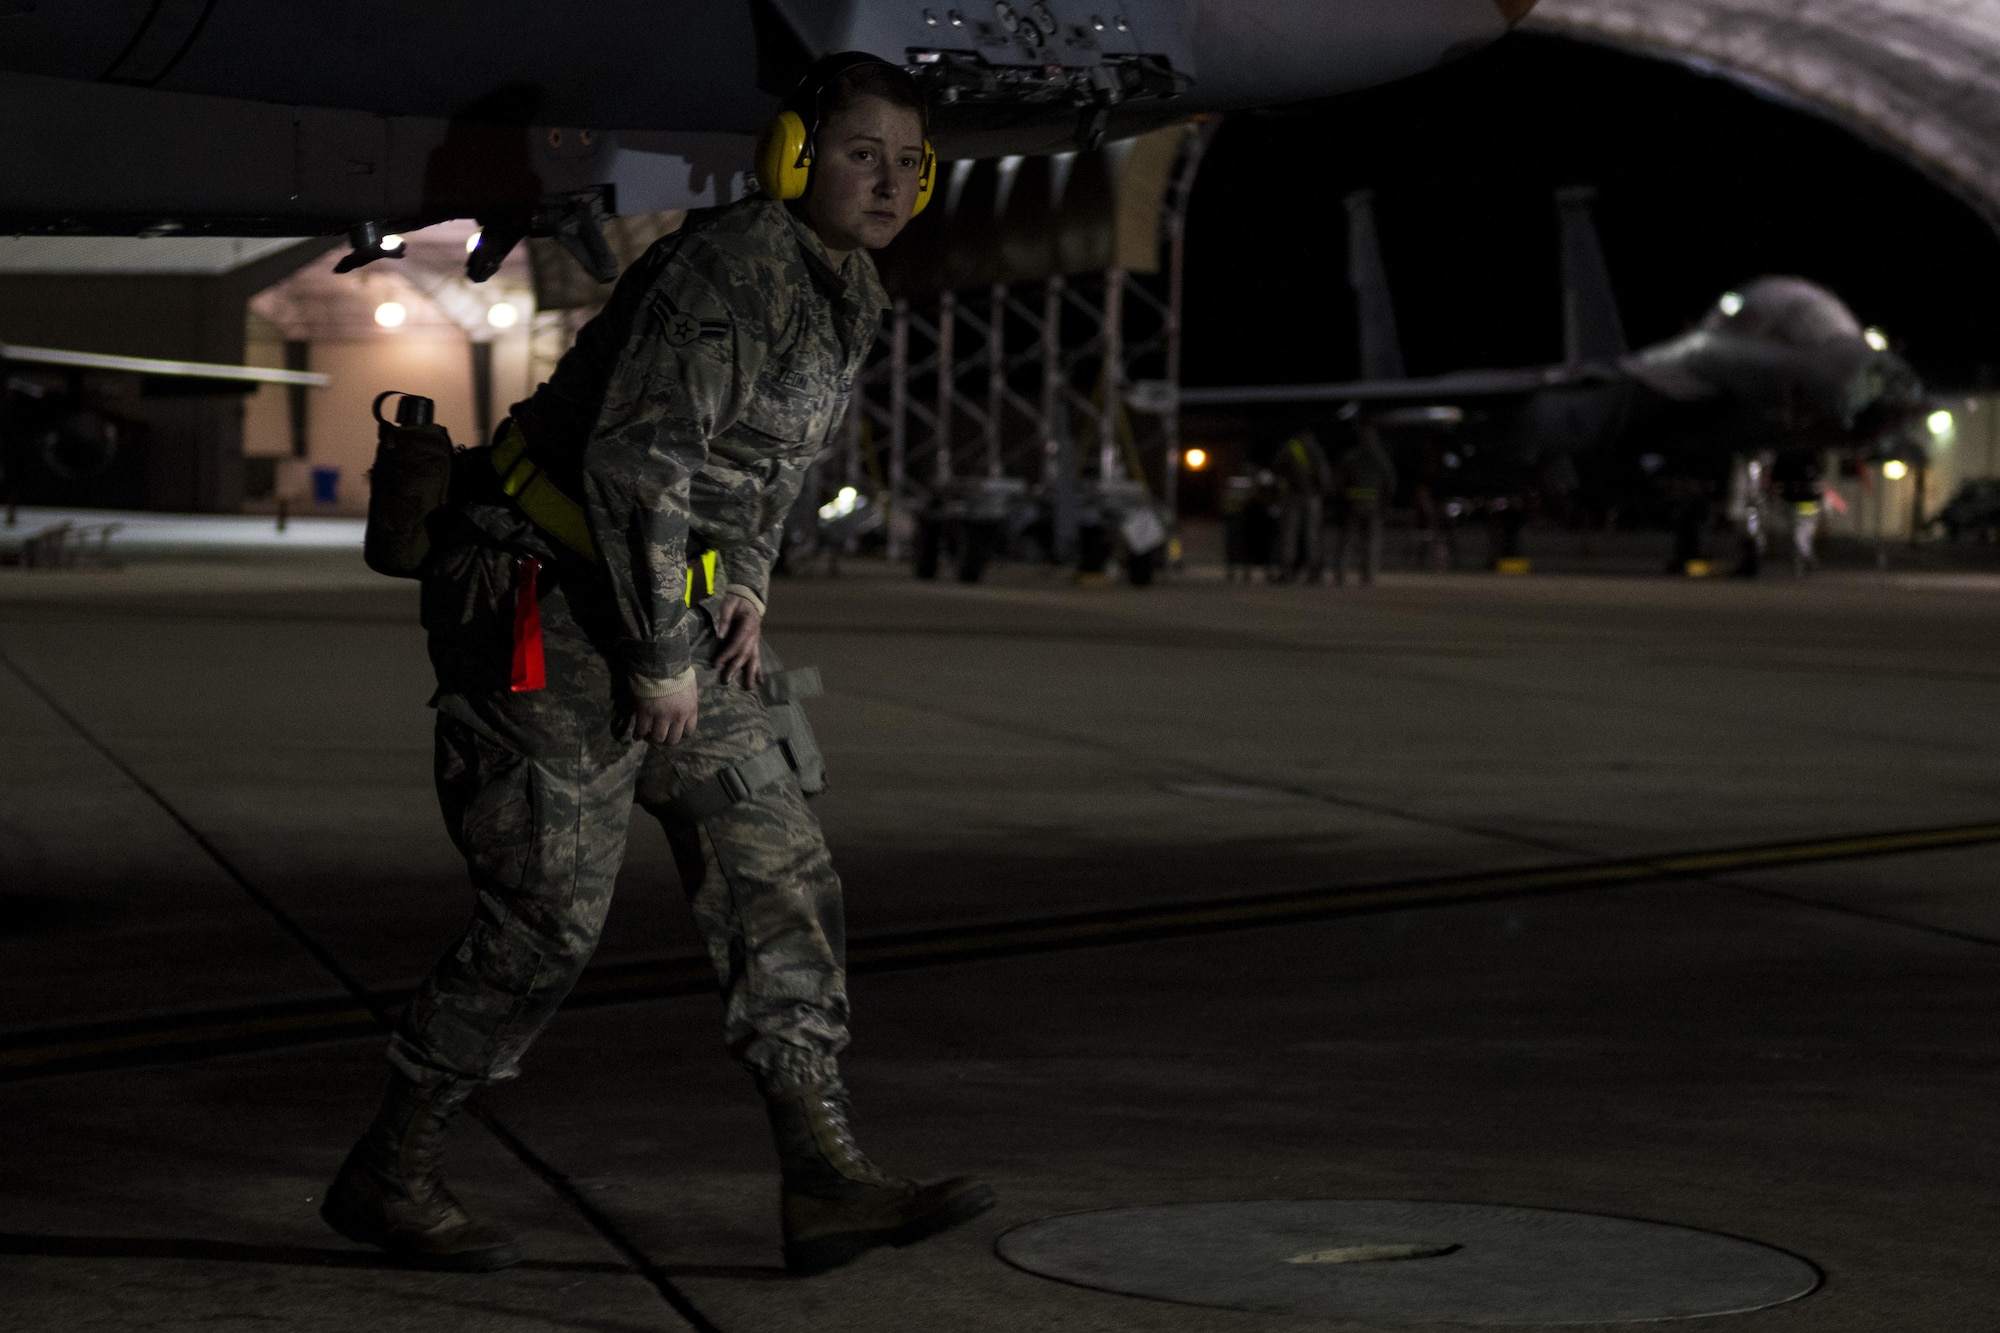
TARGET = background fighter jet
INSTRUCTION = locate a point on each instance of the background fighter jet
(1778, 366)
(145, 117)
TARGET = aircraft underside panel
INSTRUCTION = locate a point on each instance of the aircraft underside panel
(714, 64)
(690, 65)
(132, 116)
(91, 158)
(1277, 51)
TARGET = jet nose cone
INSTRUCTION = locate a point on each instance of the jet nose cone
(1514, 10)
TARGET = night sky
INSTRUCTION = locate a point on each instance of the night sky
(1703, 184)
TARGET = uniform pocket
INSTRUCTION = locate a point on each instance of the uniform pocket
(508, 961)
(783, 413)
(486, 793)
(779, 493)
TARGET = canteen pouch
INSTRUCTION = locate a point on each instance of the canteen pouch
(410, 481)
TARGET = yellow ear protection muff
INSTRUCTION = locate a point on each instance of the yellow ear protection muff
(784, 156)
(785, 148)
(926, 177)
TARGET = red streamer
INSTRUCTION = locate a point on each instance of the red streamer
(529, 671)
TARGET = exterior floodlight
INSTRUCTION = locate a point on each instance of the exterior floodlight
(1941, 423)
(841, 505)
(1895, 469)
(1876, 339)
(503, 316)
(472, 241)
(392, 243)
(1732, 304)
(391, 314)
(1196, 459)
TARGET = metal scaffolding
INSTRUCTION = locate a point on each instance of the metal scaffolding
(1006, 381)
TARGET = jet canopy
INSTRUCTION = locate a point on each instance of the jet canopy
(1791, 311)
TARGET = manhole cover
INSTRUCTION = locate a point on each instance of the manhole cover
(1392, 1261)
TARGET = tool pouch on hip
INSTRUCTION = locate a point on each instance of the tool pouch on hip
(795, 733)
(796, 751)
(410, 481)
(783, 692)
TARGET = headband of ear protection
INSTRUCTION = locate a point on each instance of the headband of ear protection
(785, 149)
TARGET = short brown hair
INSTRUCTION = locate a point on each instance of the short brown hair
(880, 79)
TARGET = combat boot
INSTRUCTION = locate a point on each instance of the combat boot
(390, 1192)
(838, 1204)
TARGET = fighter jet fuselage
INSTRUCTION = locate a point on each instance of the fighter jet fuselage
(1779, 366)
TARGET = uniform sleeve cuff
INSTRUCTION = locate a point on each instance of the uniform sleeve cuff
(747, 594)
(645, 687)
(655, 659)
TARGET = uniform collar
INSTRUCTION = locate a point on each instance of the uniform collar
(854, 282)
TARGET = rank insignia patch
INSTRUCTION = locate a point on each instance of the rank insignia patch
(683, 328)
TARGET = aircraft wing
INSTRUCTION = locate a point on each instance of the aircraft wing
(1429, 389)
(146, 365)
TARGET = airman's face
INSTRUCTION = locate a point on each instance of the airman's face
(865, 168)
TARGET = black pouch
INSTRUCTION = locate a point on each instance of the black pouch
(411, 481)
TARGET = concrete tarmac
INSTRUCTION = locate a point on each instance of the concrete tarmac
(1115, 864)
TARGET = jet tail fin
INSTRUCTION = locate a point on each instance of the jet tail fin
(1381, 348)
(1593, 330)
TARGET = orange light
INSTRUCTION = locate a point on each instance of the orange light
(1196, 459)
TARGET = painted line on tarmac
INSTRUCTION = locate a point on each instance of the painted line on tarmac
(272, 1027)
(304, 938)
(174, 1038)
(1132, 925)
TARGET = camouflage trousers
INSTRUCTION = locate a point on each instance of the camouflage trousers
(537, 791)
(762, 886)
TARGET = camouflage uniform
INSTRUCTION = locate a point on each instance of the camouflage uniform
(760, 881)
(684, 420)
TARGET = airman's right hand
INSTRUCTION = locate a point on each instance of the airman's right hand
(667, 720)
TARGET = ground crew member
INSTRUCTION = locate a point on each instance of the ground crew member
(1307, 477)
(1748, 477)
(1801, 486)
(1239, 518)
(594, 618)
(1364, 483)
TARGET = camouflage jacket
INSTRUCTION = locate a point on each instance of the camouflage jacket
(693, 405)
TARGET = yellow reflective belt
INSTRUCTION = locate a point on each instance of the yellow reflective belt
(561, 517)
(540, 499)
